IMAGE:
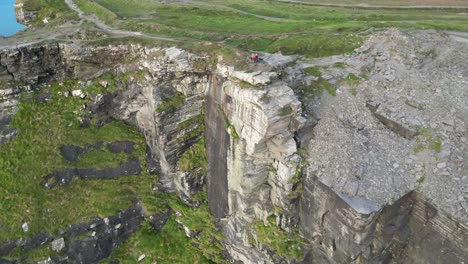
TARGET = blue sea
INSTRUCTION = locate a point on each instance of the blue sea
(8, 24)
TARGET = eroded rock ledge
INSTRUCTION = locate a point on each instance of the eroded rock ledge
(253, 127)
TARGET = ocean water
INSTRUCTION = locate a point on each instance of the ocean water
(8, 24)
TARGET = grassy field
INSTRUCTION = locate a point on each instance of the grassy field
(395, 2)
(56, 11)
(268, 25)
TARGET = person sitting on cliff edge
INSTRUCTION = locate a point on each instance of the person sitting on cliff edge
(255, 57)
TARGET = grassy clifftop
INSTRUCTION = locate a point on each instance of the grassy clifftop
(267, 26)
(271, 26)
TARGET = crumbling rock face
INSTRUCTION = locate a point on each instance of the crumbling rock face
(170, 126)
(408, 231)
(87, 242)
(253, 128)
(35, 65)
(130, 167)
(400, 129)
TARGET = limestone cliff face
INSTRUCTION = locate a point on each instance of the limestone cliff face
(256, 150)
(170, 127)
(407, 231)
(253, 128)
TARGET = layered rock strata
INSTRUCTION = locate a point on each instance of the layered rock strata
(251, 153)
(253, 127)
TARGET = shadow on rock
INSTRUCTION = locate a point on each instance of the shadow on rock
(73, 152)
(131, 167)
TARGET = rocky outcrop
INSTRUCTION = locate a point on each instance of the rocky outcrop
(253, 128)
(87, 242)
(73, 152)
(130, 167)
(166, 105)
(41, 64)
(381, 148)
(24, 16)
(146, 102)
(350, 231)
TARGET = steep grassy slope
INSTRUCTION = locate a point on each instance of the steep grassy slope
(44, 127)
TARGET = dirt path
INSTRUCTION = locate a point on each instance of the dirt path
(110, 30)
(458, 36)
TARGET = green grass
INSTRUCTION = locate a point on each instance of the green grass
(166, 246)
(311, 45)
(283, 244)
(56, 11)
(427, 139)
(101, 158)
(91, 7)
(313, 71)
(314, 31)
(351, 79)
(171, 103)
(436, 145)
(35, 152)
(194, 159)
(285, 110)
(170, 245)
(321, 85)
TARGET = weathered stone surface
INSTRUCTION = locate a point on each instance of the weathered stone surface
(23, 15)
(395, 232)
(410, 125)
(131, 167)
(159, 220)
(7, 247)
(259, 153)
(73, 152)
(86, 242)
(217, 146)
(4, 261)
(8, 108)
(169, 132)
(371, 148)
(91, 249)
(58, 244)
